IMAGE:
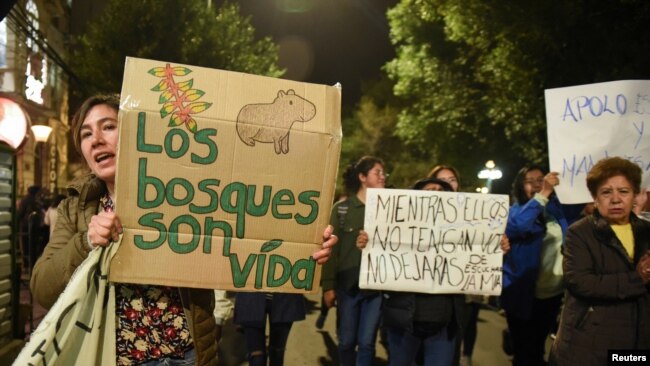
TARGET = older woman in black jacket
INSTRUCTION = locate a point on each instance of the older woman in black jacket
(606, 271)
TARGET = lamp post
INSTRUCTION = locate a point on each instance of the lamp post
(491, 173)
(41, 135)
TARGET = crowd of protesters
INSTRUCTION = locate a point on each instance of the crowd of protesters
(36, 216)
(599, 269)
(592, 267)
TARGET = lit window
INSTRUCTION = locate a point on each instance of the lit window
(32, 13)
(3, 43)
(36, 70)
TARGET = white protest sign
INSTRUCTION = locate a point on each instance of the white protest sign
(587, 123)
(433, 242)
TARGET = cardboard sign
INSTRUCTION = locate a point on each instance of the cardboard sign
(587, 123)
(224, 180)
(433, 242)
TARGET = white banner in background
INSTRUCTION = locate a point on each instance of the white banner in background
(433, 242)
(589, 122)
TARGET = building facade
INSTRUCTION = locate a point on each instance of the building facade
(33, 74)
(34, 93)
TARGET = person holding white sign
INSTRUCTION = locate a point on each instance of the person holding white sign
(153, 324)
(358, 311)
(417, 320)
(607, 273)
(532, 272)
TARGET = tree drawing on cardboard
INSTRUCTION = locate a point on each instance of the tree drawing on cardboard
(271, 122)
(178, 98)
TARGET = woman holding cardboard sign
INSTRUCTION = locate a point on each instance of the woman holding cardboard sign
(154, 324)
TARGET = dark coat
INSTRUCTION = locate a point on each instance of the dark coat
(341, 271)
(607, 306)
(399, 310)
(250, 308)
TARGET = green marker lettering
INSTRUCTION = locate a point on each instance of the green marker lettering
(169, 146)
(282, 198)
(187, 186)
(149, 220)
(141, 145)
(252, 208)
(183, 248)
(143, 182)
(203, 137)
(308, 198)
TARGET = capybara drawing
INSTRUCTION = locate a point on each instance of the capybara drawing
(271, 122)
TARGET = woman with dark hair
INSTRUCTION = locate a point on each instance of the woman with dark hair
(154, 324)
(447, 173)
(358, 310)
(606, 272)
(532, 272)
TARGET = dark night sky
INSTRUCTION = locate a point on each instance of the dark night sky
(326, 41)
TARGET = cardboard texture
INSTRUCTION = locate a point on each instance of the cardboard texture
(224, 180)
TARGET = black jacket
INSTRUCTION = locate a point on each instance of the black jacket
(606, 306)
(399, 310)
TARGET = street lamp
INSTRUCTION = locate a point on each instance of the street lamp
(491, 172)
(41, 133)
(13, 124)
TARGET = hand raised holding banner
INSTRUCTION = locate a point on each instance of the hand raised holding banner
(551, 180)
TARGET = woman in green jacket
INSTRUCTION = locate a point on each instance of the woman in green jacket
(153, 323)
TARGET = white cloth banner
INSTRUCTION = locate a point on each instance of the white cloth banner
(80, 328)
(589, 122)
(433, 242)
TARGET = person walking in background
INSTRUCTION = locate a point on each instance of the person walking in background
(30, 221)
(358, 311)
(607, 272)
(51, 213)
(251, 312)
(532, 270)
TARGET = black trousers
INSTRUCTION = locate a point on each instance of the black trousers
(529, 335)
(258, 352)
